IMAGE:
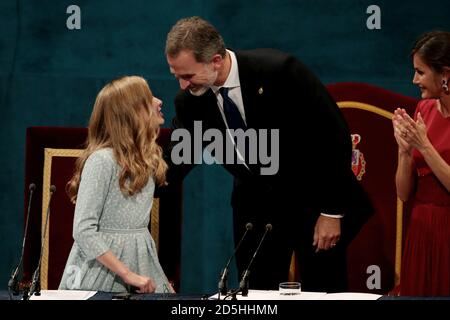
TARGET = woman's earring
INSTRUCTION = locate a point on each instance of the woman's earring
(445, 86)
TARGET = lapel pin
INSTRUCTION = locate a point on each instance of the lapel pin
(260, 91)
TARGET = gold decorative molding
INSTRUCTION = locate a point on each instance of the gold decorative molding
(366, 107)
(49, 153)
(154, 222)
(292, 277)
(399, 218)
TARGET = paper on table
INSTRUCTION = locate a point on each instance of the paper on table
(63, 295)
(275, 295)
(351, 296)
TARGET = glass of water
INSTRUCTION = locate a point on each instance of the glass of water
(290, 288)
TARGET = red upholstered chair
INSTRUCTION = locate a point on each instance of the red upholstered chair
(50, 157)
(368, 110)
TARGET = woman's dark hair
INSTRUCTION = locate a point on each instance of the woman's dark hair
(434, 49)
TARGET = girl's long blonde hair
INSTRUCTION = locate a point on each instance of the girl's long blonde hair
(123, 119)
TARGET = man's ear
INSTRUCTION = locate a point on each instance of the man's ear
(217, 60)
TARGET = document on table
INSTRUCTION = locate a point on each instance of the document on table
(351, 296)
(275, 295)
(64, 295)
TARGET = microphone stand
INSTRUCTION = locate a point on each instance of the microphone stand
(243, 284)
(13, 283)
(222, 286)
(35, 287)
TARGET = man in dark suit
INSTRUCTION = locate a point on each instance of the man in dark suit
(310, 195)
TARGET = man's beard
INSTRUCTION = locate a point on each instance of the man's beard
(199, 91)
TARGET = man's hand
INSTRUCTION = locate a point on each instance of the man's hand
(326, 232)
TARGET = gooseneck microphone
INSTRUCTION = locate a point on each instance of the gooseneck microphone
(35, 287)
(224, 275)
(243, 284)
(13, 283)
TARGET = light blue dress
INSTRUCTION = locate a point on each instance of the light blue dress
(107, 220)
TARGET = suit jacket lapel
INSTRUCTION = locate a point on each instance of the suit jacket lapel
(249, 88)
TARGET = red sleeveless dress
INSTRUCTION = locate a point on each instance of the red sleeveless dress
(426, 256)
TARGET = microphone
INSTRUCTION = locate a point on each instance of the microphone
(224, 275)
(13, 284)
(243, 284)
(35, 287)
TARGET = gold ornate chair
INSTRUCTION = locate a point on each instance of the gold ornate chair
(50, 158)
(368, 111)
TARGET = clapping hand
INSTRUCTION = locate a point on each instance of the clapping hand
(409, 133)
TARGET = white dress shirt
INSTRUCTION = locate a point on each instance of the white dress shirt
(235, 94)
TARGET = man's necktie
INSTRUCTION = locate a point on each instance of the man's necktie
(232, 114)
(234, 121)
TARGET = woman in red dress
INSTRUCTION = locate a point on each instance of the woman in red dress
(423, 172)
